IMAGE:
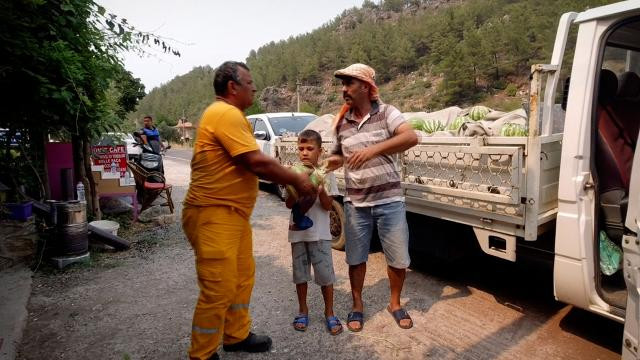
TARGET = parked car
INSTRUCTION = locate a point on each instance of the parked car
(269, 127)
(113, 138)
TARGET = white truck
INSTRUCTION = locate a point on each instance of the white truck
(269, 127)
(557, 191)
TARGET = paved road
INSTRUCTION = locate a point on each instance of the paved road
(479, 307)
(179, 154)
(139, 305)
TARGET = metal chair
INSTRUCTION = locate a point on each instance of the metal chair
(151, 185)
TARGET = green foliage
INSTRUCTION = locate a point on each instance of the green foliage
(503, 104)
(255, 108)
(184, 96)
(393, 5)
(511, 90)
(308, 108)
(60, 67)
(168, 133)
(473, 45)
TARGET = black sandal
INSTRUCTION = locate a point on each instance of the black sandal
(355, 316)
(401, 314)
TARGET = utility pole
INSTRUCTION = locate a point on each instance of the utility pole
(298, 83)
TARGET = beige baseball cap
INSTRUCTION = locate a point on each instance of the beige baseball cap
(358, 71)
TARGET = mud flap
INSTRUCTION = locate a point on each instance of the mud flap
(496, 244)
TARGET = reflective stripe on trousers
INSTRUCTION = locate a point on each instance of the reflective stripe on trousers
(221, 240)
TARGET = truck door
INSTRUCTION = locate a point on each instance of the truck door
(262, 135)
(631, 265)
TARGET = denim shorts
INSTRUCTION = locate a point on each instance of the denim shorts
(391, 222)
(316, 253)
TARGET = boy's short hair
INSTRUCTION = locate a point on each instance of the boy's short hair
(310, 135)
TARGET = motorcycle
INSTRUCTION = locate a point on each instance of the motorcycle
(151, 156)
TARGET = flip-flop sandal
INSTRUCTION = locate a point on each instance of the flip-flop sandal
(332, 322)
(301, 319)
(355, 316)
(401, 314)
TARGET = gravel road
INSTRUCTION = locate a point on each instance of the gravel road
(138, 304)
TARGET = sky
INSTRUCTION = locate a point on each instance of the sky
(209, 32)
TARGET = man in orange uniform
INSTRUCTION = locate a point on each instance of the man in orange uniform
(225, 168)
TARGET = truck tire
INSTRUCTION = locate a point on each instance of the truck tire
(336, 221)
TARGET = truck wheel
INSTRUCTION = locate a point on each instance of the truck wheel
(336, 221)
(281, 191)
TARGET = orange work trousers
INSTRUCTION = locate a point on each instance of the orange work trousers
(221, 239)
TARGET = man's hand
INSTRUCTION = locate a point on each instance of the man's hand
(360, 157)
(304, 187)
(333, 162)
(325, 199)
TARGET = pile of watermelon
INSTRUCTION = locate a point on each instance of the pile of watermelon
(478, 118)
(478, 112)
(456, 124)
(511, 129)
(429, 126)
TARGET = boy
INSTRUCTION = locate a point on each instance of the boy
(312, 246)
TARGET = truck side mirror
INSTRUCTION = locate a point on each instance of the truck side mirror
(565, 93)
(260, 135)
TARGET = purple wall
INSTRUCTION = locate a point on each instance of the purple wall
(59, 156)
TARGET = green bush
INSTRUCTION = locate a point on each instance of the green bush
(308, 108)
(511, 90)
(500, 85)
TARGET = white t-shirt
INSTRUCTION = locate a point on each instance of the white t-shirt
(321, 229)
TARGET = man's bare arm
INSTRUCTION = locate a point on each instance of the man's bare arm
(325, 200)
(334, 162)
(403, 138)
(270, 169)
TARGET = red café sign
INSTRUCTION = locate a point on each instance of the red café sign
(110, 157)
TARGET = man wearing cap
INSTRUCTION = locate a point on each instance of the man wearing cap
(368, 134)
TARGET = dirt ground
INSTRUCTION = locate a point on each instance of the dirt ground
(138, 305)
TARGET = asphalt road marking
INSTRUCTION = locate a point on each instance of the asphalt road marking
(177, 158)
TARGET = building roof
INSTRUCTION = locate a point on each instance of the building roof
(186, 125)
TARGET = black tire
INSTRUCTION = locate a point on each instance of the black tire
(336, 216)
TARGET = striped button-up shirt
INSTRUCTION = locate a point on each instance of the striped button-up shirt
(378, 180)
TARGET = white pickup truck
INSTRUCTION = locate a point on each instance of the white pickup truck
(554, 191)
(269, 127)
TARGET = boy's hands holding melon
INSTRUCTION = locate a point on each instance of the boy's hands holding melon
(316, 176)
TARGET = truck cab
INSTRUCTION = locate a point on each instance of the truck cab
(267, 128)
(599, 182)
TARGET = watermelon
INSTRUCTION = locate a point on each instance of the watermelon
(479, 112)
(416, 123)
(316, 176)
(457, 122)
(431, 126)
(511, 129)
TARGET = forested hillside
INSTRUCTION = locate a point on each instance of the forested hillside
(472, 46)
(187, 95)
(428, 54)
